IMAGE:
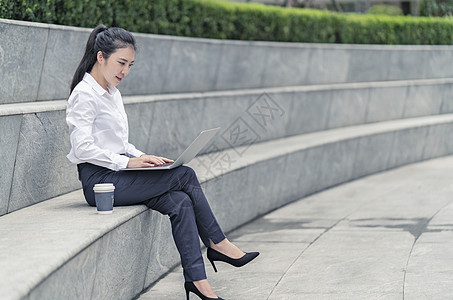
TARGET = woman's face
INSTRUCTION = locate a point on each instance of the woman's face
(117, 66)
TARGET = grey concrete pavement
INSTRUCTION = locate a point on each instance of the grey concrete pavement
(386, 236)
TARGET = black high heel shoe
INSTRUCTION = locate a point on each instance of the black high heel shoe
(214, 255)
(190, 287)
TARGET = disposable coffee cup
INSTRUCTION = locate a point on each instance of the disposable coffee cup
(103, 195)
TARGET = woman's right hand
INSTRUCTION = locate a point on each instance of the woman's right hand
(147, 161)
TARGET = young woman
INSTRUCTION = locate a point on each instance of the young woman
(99, 138)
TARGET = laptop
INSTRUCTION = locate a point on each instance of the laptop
(202, 139)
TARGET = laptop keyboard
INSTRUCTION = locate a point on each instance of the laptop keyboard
(162, 165)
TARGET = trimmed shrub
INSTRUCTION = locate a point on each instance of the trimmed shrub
(385, 9)
(232, 20)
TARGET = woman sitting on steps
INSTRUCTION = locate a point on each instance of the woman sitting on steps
(98, 130)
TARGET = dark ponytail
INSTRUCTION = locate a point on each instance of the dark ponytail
(107, 40)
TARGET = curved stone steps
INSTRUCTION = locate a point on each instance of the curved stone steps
(38, 130)
(385, 236)
(64, 249)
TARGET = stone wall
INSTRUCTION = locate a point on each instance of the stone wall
(37, 62)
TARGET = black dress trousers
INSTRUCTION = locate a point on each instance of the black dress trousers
(176, 193)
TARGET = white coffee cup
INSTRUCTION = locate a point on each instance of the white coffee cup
(103, 194)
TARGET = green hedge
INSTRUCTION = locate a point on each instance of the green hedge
(397, 30)
(231, 20)
(385, 9)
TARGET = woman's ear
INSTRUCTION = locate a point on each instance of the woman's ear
(100, 57)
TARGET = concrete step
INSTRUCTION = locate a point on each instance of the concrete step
(166, 124)
(385, 236)
(61, 249)
(169, 64)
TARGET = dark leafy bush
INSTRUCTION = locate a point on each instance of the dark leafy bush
(436, 8)
(231, 20)
(29, 10)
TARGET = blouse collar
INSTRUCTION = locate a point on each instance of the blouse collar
(97, 87)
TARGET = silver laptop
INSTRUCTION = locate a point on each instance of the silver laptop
(202, 139)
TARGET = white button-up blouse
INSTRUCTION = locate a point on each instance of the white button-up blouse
(98, 127)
